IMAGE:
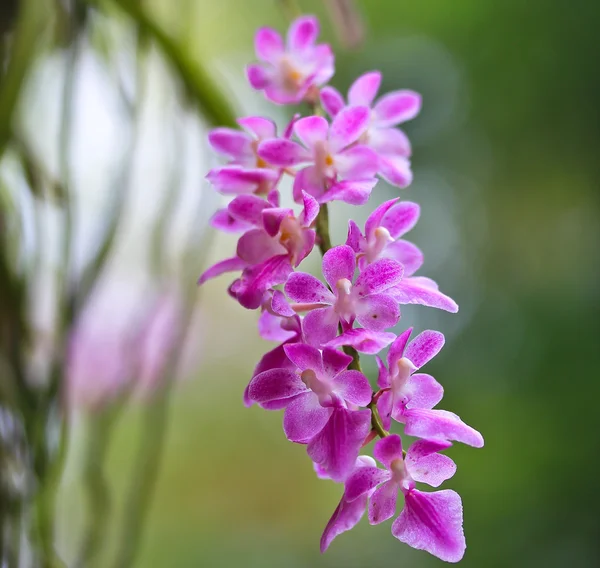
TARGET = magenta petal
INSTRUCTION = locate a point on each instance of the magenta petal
(383, 376)
(364, 340)
(320, 326)
(269, 328)
(382, 505)
(268, 44)
(353, 387)
(258, 126)
(223, 221)
(407, 254)
(307, 289)
(331, 100)
(248, 208)
(423, 448)
(311, 129)
(272, 218)
(434, 424)
(354, 238)
(395, 170)
(388, 449)
(235, 180)
(280, 305)
(304, 357)
(424, 347)
(258, 77)
(397, 348)
(357, 163)
(311, 209)
(374, 219)
(433, 469)
(282, 152)
(337, 445)
(384, 406)
(364, 90)
(230, 142)
(227, 265)
(379, 276)
(412, 291)
(334, 361)
(302, 33)
(345, 517)
(354, 192)
(397, 107)
(274, 359)
(401, 218)
(275, 384)
(378, 312)
(256, 280)
(425, 391)
(308, 180)
(432, 522)
(256, 246)
(304, 418)
(363, 480)
(338, 263)
(390, 142)
(347, 126)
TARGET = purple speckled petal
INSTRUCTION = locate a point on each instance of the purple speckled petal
(309, 180)
(248, 208)
(302, 33)
(305, 418)
(412, 290)
(304, 357)
(307, 289)
(268, 44)
(353, 192)
(258, 126)
(258, 77)
(396, 107)
(407, 254)
(377, 312)
(331, 100)
(382, 505)
(347, 126)
(401, 218)
(379, 276)
(227, 265)
(282, 152)
(424, 347)
(384, 406)
(310, 211)
(364, 90)
(345, 517)
(223, 221)
(364, 340)
(275, 384)
(233, 143)
(397, 348)
(269, 328)
(353, 387)
(256, 246)
(432, 522)
(433, 469)
(311, 130)
(334, 361)
(320, 326)
(383, 376)
(354, 238)
(423, 448)
(337, 445)
(280, 305)
(363, 480)
(374, 219)
(395, 170)
(272, 218)
(440, 424)
(338, 263)
(388, 449)
(256, 280)
(423, 391)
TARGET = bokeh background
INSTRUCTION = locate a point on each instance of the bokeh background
(507, 171)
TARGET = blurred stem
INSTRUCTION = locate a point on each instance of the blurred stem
(198, 82)
(30, 25)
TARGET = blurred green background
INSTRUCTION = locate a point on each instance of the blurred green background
(507, 171)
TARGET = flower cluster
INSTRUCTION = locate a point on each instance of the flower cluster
(314, 373)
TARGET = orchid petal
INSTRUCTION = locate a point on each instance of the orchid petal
(282, 152)
(397, 107)
(311, 130)
(347, 126)
(364, 90)
(268, 44)
(379, 276)
(227, 265)
(388, 449)
(339, 263)
(331, 100)
(304, 418)
(307, 289)
(382, 505)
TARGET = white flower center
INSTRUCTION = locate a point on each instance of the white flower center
(345, 304)
(376, 242)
